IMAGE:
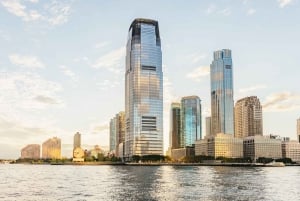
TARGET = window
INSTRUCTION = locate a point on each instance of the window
(150, 68)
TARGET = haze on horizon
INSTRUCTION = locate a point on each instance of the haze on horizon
(62, 63)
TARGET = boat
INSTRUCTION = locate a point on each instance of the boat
(275, 164)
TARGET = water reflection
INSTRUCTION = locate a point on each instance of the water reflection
(44, 182)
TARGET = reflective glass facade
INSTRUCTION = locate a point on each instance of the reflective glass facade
(222, 93)
(175, 126)
(191, 120)
(143, 90)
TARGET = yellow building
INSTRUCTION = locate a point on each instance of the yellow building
(51, 149)
(225, 145)
(291, 149)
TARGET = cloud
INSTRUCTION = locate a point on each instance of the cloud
(251, 11)
(199, 73)
(252, 88)
(102, 44)
(107, 84)
(26, 61)
(55, 12)
(225, 12)
(196, 57)
(99, 128)
(282, 101)
(284, 3)
(211, 9)
(112, 60)
(69, 73)
(27, 92)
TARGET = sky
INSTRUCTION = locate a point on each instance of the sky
(62, 63)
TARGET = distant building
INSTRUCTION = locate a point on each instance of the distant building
(96, 151)
(262, 146)
(51, 149)
(208, 126)
(291, 149)
(31, 151)
(116, 132)
(77, 140)
(298, 129)
(181, 153)
(248, 119)
(175, 126)
(225, 145)
(221, 80)
(191, 128)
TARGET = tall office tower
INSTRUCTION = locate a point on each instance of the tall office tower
(248, 117)
(120, 128)
(51, 149)
(190, 120)
(77, 140)
(112, 135)
(298, 129)
(221, 93)
(143, 90)
(175, 126)
(208, 126)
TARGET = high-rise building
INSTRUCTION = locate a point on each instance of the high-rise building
(248, 117)
(208, 126)
(31, 151)
(190, 120)
(143, 90)
(222, 93)
(175, 126)
(51, 149)
(112, 135)
(77, 140)
(298, 129)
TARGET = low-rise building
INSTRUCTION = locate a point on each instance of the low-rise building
(31, 151)
(262, 146)
(291, 149)
(181, 153)
(220, 145)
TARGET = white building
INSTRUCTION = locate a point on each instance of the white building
(291, 149)
(262, 146)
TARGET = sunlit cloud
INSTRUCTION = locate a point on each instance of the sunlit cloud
(284, 3)
(111, 61)
(196, 57)
(198, 73)
(69, 73)
(26, 61)
(58, 12)
(283, 101)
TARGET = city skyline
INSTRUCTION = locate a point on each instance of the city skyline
(61, 72)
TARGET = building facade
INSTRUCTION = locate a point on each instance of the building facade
(175, 126)
(77, 140)
(208, 126)
(248, 119)
(143, 90)
(298, 130)
(190, 120)
(112, 135)
(220, 145)
(51, 149)
(262, 146)
(31, 151)
(291, 149)
(120, 130)
(221, 79)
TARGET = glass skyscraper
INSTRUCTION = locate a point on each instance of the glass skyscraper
(175, 126)
(143, 90)
(191, 120)
(222, 93)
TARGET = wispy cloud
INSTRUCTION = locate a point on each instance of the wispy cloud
(252, 88)
(55, 12)
(97, 128)
(26, 61)
(102, 44)
(199, 73)
(196, 57)
(284, 3)
(211, 9)
(46, 100)
(282, 101)
(251, 11)
(107, 84)
(225, 12)
(69, 73)
(111, 61)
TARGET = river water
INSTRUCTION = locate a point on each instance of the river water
(66, 182)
